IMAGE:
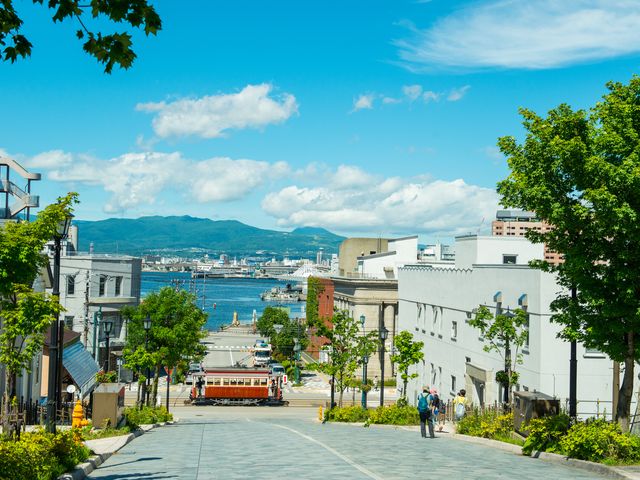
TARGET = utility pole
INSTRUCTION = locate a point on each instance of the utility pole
(573, 368)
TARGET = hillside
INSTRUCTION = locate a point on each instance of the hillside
(184, 234)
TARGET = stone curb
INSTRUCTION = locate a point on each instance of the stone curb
(82, 470)
(593, 467)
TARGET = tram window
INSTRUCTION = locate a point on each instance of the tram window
(245, 381)
(225, 381)
(256, 381)
(263, 381)
(234, 381)
(209, 380)
(217, 381)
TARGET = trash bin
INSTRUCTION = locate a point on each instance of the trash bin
(108, 404)
(528, 405)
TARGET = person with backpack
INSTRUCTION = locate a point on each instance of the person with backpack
(435, 404)
(425, 412)
(459, 405)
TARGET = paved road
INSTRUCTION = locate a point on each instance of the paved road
(272, 443)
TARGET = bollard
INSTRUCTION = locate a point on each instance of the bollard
(77, 417)
(320, 415)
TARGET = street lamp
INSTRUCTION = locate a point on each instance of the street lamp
(296, 356)
(384, 333)
(147, 326)
(56, 337)
(365, 360)
(507, 364)
(107, 325)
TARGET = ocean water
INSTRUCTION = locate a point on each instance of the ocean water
(222, 296)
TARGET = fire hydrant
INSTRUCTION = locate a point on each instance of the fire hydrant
(77, 418)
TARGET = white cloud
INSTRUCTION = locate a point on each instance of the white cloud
(211, 116)
(363, 102)
(526, 35)
(411, 205)
(412, 92)
(430, 96)
(50, 159)
(457, 93)
(137, 179)
(390, 100)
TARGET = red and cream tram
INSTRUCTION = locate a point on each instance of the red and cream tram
(236, 386)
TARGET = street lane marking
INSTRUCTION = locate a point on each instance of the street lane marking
(364, 470)
(231, 357)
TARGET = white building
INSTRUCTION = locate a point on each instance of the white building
(436, 303)
(95, 287)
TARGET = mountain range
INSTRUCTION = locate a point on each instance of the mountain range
(191, 236)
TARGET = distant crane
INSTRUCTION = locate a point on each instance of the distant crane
(480, 226)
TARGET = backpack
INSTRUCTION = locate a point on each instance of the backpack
(459, 410)
(423, 405)
(435, 401)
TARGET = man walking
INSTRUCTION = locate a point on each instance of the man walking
(424, 410)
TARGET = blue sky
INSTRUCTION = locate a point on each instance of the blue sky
(363, 117)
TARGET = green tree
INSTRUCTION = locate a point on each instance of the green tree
(408, 353)
(580, 172)
(282, 342)
(109, 49)
(271, 316)
(176, 331)
(506, 334)
(314, 288)
(26, 314)
(347, 348)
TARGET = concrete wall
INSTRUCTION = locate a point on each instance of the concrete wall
(385, 265)
(474, 249)
(352, 248)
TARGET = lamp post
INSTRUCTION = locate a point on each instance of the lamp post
(107, 325)
(507, 365)
(296, 356)
(147, 326)
(55, 364)
(573, 369)
(384, 333)
(365, 360)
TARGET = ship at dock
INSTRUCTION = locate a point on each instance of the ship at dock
(286, 294)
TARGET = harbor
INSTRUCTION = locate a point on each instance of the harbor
(221, 297)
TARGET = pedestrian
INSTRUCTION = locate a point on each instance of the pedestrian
(376, 383)
(442, 415)
(425, 413)
(459, 405)
(434, 405)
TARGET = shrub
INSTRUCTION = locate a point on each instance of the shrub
(545, 433)
(390, 382)
(489, 424)
(598, 440)
(146, 415)
(347, 414)
(395, 415)
(40, 456)
(106, 377)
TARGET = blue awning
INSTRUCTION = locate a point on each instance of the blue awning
(81, 366)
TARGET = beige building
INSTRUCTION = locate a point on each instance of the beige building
(517, 223)
(352, 248)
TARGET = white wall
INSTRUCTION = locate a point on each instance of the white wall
(474, 249)
(431, 299)
(385, 265)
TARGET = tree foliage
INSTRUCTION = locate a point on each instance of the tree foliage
(176, 330)
(505, 334)
(108, 49)
(25, 314)
(282, 342)
(347, 347)
(407, 353)
(314, 288)
(580, 172)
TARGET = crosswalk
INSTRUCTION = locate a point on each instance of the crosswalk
(239, 348)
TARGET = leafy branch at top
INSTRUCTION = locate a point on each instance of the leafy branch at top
(108, 49)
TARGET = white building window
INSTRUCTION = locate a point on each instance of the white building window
(509, 259)
(454, 330)
(118, 286)
(102, 285)
(453, 383)
(434, 320)
(71, 284)
(440, 320)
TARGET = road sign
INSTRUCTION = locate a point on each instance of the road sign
(168, 370)
(284, 379)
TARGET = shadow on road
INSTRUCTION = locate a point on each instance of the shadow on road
(143, 459)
